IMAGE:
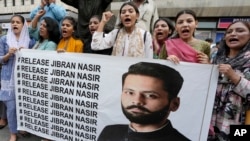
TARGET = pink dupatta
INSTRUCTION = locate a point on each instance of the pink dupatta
(181, 50)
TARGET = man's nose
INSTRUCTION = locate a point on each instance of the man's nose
(138, 99)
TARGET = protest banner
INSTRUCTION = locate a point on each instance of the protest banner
(73, 96)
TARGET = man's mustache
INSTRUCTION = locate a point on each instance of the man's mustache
(138, 107)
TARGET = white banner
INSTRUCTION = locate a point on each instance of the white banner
(73, 96)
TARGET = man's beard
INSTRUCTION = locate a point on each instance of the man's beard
(149, 117)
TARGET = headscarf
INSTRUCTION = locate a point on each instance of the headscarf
(24, 38)
(12, 41)
(135, 48)
(181, 49)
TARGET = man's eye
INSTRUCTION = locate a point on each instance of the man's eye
(150, 95)
(128, 92)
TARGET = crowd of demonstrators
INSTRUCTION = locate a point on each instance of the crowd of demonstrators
(233, 60)
(69, 41)
(17, 37)
(86, 9)
(132, 39)
(50, 9)
(128, 40)
(148, 14)
(163, 29)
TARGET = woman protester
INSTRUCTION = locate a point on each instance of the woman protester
(93, 26)
(128, 40)
(48, 34)
(232, 94)
(17, 37)
(163, 29)
(69, 41)
(184, 46)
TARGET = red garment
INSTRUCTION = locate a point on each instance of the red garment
(181, 50)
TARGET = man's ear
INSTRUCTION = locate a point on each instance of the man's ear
(175, 103)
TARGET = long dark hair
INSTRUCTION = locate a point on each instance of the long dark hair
(52, 29)
(223, 48)
(169, 23)
(120, 25)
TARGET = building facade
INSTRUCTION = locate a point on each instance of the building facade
(213, 15)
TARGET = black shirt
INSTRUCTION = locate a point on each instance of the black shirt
(124, 133)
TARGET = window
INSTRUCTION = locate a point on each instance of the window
(22, 2)
(13, 2)
(32, 1)
(202, 34)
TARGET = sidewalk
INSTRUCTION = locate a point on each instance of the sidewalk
(4, 136)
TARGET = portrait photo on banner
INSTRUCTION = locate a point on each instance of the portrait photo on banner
(75, 96)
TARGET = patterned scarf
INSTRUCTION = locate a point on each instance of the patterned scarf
(237, 62)
(182, 50)
(228, 105)
(135, 47)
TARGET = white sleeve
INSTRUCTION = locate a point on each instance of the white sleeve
(100, 42)
(148, 46)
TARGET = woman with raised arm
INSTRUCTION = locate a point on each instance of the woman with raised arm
(47, 35)
(128, 40)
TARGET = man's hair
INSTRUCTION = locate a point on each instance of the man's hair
(210, 40)
(172, 80)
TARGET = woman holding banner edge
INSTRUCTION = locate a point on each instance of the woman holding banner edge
(231, 99)
(184, 46)
(17, 37)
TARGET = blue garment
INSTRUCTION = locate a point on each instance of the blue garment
(11, 115)
(54, 11)
(45, 45)
(7, 90)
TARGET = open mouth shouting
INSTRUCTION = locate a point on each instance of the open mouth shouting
(185, 32)
(127, 21)
(160, 35)
(92, 30)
